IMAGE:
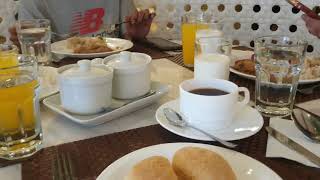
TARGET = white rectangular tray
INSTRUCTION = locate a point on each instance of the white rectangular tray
(53, 102)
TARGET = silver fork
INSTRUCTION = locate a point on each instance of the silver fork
(309, 90)
(63, 167)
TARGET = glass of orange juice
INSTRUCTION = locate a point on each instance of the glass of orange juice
(190, 23)
(20, 128)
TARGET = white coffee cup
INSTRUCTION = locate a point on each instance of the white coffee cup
(211, 113)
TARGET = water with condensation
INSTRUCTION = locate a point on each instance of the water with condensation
(36, 42)
(277, 80)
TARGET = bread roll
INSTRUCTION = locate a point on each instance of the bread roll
(153, 168)
(192, 163)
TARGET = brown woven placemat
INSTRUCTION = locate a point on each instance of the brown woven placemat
(153, 52)
(92, 156)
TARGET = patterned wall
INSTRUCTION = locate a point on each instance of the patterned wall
(244, 19)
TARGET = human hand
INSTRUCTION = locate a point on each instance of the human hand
(138, 24)
(13, 36)
(313, 25)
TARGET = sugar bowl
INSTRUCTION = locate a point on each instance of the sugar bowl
(131, 74)
(85, 88)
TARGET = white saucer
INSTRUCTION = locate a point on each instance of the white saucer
(247, 123)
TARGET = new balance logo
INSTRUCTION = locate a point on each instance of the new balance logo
(88, 22)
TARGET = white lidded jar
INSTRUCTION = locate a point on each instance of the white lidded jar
(132, 76)
(85, 88)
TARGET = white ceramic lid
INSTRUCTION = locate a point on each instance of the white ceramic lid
(128, 62)
(86, 73)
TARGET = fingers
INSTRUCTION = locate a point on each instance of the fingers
(142, 15)
(139, 17)
(128, 19)
(13, 35)
(134, 17)
(313, 25)
(12, 30)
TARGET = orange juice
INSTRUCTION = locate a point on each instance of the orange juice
(188, 41)
(20, 128)
(8, 58)
(17, 108)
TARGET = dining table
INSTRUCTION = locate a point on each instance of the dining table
(93, 148)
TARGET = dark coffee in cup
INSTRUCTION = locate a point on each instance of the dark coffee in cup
(215, 107)
(209, 92)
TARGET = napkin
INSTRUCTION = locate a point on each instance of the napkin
(311, 106)
(276, 149)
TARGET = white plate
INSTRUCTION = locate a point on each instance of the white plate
(247, 123)
(53, 102)
(239, 55)
(48, 81)
(245, 167)
(60, 48)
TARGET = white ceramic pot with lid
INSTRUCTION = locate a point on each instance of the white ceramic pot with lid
(131, 74)
(85, 88)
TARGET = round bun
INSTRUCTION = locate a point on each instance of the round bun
(153, 168)
(192, 163)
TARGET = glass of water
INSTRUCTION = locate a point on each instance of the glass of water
(279, 61)
(35, 39)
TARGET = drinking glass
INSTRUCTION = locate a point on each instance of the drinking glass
(213, 44)
(20, 128)
(190, 24)
(35, 39)
(212, 58)
(279, 60)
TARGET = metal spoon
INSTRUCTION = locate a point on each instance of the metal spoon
(176, 119)
(308, 123)
(309, 90)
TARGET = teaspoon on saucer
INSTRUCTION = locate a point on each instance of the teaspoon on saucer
(308, 123)
(176, 119)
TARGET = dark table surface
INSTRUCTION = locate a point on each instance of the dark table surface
(92, 156)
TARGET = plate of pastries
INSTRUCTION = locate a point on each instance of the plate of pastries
(90, 47)
(186, 161)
